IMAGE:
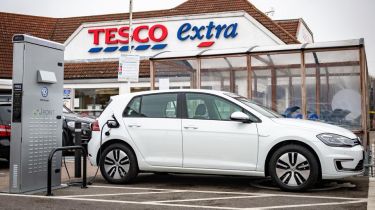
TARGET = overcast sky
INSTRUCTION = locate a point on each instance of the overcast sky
(328, 19)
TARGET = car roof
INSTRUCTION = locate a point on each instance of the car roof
(216, 92)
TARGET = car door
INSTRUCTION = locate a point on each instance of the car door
(154, 124)
(211, 140)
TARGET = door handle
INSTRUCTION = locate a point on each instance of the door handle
(191, 127)
(134, 126)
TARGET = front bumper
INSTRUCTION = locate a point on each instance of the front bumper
(340, 162)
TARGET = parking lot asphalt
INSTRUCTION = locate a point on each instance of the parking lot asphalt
(180, 191)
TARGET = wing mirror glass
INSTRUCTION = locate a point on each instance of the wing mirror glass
(240, 117)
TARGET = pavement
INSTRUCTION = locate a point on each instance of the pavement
(181, 191)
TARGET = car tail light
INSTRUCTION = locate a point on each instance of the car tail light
(95, 126)
(5, 130)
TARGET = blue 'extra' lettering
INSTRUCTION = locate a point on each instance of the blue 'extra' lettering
(231, 31)
(183, 29)
(187, 31)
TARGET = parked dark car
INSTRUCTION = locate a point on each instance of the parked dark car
(5, 120)
(69, 119)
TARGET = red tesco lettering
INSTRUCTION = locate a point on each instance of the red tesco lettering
(121, 35)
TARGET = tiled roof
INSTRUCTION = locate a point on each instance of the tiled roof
(99, 70)
(11, 24)
(290, 26)
(66, 26)
(59, 29)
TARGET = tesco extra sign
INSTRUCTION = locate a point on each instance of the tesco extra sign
(154, 37)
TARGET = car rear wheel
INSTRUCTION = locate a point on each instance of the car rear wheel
(118, 164)
(294, 168)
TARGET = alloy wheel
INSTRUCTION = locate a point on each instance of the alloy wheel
(116, 164)
(293, 169)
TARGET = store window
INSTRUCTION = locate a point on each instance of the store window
(139, 89)
(5, 95)
(93, 101)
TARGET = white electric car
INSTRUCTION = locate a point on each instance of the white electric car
(214, 132)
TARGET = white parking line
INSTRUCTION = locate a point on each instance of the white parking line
(307, 205)
(231, 192)
(167, 202)
(316, 196)
(169, 189)
(116, 194)
(215, 198)
(192, 206)
(156, 203)
(123, 202)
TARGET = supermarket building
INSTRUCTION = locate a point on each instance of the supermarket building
(212, 44)
(95, 43)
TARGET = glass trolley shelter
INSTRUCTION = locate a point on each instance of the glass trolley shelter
(326, 81)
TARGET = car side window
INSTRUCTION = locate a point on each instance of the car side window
(225, 108)
(153, 106)
(210, 107)
(171, 110)
(159, 105)
(202, 106)
(133, 108)
(196, 107)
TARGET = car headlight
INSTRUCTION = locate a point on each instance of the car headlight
(335, 140)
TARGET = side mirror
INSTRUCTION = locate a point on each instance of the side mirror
(113, 124)
(240, 117)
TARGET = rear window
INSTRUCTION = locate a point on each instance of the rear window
(5, 114)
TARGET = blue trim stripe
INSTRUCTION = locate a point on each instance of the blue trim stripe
(142, 47)
(124, 48)
(110, 49)
(159, 46)
(95, 49)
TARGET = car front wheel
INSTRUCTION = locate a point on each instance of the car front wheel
(118, 164)
(294, 168)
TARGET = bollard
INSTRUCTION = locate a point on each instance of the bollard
(77, 153)
(49, 172)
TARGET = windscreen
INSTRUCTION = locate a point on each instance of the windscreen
(66, 110)
(259, 108)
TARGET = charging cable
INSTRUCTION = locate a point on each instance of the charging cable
(70, 183)
(91, 181)
(100, 155)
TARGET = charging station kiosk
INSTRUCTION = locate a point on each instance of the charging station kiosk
(38, 76)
